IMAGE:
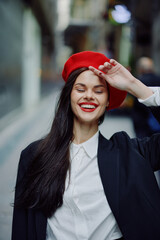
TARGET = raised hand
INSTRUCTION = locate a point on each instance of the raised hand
(119, 77)
(115, 74)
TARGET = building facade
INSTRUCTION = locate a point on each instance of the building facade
(27, 39)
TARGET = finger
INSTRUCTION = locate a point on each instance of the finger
(97, 72)
(102, 68)
(91, 68)
(113, 62)
(106, 67)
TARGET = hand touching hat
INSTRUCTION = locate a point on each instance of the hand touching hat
(95, 59)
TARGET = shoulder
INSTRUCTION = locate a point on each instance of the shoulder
(117, 139)
(121, 138)
(31, 148)
(142, 145)
(119, 135)
(26, 158)
(29, 153)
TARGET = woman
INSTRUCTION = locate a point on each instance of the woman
(74, 183)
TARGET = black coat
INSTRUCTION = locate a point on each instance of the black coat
(144, 122)
(156, 112)
(127, 172)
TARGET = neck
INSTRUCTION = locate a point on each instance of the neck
(82, 132)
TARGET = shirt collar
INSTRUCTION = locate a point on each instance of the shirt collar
(90, 146)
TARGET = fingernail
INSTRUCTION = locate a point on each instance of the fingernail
(112, 63)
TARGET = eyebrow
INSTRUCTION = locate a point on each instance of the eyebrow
(83, 85)
(96, 86)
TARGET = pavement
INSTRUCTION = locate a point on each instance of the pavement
(21, 128)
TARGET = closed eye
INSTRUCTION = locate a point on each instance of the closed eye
(80, 90)
(98, 91)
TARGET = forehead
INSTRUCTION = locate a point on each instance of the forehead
(88, 77)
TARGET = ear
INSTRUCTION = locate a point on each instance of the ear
(107, 104)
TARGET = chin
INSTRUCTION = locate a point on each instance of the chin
(87, 120)
(88, 117)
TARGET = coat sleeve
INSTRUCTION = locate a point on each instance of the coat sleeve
(149, 147)
(20, 215)
(19, 222)
(156, 112)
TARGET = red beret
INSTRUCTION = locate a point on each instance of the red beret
(89, 58)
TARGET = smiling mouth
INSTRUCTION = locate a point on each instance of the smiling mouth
(88, 107)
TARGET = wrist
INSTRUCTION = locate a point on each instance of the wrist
(138, 89)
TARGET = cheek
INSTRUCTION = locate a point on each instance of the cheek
(73, 100)
(75, 96)
(103, 108)
(104, 101)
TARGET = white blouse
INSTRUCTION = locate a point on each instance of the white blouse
(85, 213)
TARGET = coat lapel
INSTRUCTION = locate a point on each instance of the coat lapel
(108, 162)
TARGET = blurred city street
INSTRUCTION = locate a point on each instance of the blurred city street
(27, 127)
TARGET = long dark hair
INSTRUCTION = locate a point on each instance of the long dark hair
(44, 182)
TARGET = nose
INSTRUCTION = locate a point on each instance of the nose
(89, 95)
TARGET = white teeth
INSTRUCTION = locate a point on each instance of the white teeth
(88, 106)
